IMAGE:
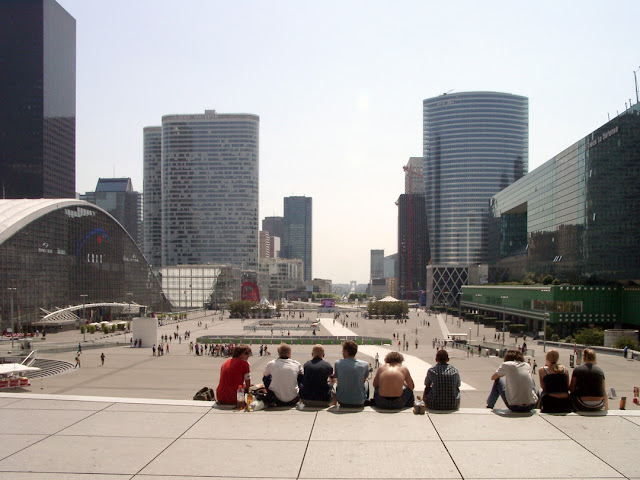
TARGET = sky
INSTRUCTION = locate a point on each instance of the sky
(339, 88)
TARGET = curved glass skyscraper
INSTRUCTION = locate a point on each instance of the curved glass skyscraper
(474, 145)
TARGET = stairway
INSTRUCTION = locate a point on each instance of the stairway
(48, 368)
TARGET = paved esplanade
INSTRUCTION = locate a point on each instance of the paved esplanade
(416, 366)
(74, 438)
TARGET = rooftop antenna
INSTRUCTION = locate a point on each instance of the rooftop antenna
(635, 77)
(452, 91)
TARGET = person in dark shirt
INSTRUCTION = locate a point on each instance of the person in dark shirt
(316, 389)
(588, 389)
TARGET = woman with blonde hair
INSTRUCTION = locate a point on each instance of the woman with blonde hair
(588, 389)
(554, 383)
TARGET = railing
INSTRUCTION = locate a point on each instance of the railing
(34, 354)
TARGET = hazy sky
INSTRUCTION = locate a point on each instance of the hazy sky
(339, 87)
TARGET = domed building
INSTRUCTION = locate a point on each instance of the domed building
(56, 253)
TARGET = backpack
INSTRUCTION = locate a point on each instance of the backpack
(205, 394)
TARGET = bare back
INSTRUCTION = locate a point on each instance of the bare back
(390, 378)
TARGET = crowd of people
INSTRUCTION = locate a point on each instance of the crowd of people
(317, 383)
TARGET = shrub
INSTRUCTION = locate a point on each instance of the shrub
(590, 336)
(626, 342)
(91, 328)
(555, 337)
(547, 280)
(105, 328)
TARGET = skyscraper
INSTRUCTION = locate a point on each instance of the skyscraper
(296, 241)
(116, 196)
(274, 226)
(209, 188)
(152, 223)
(474, 145)
(413, 246)
(377, 264)
(38, 108)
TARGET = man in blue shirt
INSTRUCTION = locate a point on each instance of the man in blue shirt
(351, 374)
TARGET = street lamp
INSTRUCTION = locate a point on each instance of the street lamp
(544, 339)
(84, 322)
(477, 316)
(504, 315)
(11, 290)
(129, 315)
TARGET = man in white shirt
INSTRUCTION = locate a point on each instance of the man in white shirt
(281, 378)
(513, 382)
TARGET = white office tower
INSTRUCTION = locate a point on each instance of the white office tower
(208, 188)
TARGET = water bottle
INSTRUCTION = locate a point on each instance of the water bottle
(240, 398)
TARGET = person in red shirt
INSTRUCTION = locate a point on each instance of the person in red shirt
(234, 372)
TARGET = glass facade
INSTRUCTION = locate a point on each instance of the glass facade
(413, 246)
(37, 114)
(210, 189)
(196, 286)
(152, 189)
(474, 145)
(62, 249)
(296, 241)
(577, 216)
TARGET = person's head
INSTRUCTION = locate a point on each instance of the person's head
(242, 351)
(394, 358)
(284, 350)
(317, 351)
(552, 359)
(349, 348)
(442, 356)
(588, 355)
(513, 356)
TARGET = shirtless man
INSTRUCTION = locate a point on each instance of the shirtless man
(393, 384)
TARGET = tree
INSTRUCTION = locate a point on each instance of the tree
(590, 336)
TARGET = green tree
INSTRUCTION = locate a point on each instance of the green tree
(627, 342)
(590, 336)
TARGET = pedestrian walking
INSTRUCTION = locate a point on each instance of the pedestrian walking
(102, 360)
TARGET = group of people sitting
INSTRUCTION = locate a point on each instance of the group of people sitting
(319, 384)
(586, 391)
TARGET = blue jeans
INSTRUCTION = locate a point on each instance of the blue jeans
(499, 390)
(403, 401)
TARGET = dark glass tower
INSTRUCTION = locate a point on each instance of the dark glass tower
(38, 107)
(296, 241)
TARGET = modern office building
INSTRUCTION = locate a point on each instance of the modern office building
(116, 196)
(274, 226)
(413, 176)
(56, 252)
(577, 216)
(377, 264)
(413, 246)
(391, 266)
(38, 107)
(281, 275)
(474, 145)
(152, 188)
(209, 188)
(297, 235)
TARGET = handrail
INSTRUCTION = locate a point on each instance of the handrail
(33, 352)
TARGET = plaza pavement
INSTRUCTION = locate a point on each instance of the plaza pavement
(132, 419)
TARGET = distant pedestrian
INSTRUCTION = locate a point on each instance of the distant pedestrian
(102, 360)
(153, 349)
(79, 347)
(77, 365)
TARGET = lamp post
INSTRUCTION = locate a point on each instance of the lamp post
(504, 317)
(544, 339)
(130, 295)
(477, 316)
(11, 290)
(84, 322)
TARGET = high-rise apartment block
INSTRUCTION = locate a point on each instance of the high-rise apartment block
(474, 145)
(116, 196)
(207, 181)
(38, 107)
(296, 241)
